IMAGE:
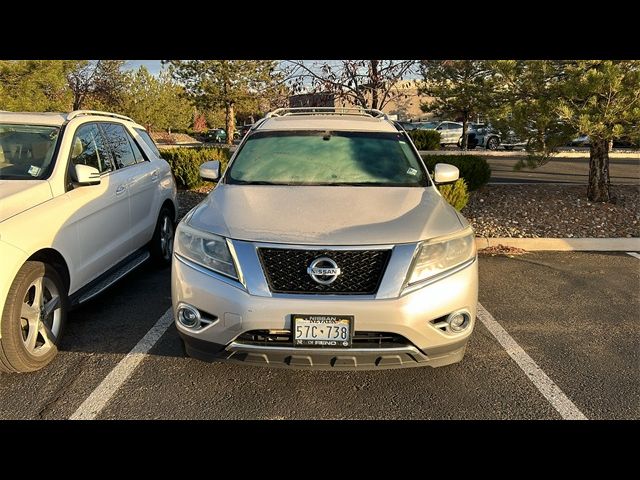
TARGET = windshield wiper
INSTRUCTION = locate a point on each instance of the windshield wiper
(257, 182)
(16, 177)
(349, 184)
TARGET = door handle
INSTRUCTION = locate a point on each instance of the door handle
(121, 189)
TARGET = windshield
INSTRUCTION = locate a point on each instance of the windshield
(327, 158)
(26, 151)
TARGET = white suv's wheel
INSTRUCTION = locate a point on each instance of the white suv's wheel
(33, 318)
(162, 242)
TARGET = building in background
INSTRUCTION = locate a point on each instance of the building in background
(405, 105)
(322, 99)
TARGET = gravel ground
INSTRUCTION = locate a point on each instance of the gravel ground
(187, 199)
(552, 211)
(531, 211)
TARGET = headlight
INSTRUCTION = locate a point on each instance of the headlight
(436, 257)
(206, 249)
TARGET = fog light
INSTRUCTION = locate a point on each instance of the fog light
(458, 321)
(188, 316)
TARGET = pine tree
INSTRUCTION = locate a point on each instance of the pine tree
(227, 84)
(601, 99)
(458, 87)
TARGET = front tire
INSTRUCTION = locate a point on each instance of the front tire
(161, 247)
(493, 143)
(33, 318)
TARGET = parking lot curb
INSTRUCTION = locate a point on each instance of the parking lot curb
(519, 153)
(564, 244)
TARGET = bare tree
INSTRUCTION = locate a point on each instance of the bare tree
(365, 83)
(100, 82)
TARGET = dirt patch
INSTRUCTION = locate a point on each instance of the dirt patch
(552, 211)
(501, 250)
(164, 138)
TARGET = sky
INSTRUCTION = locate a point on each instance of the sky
(153, 66)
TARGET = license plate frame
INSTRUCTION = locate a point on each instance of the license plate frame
(320, 321)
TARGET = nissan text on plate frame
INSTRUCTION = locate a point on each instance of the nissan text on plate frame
(326, 245)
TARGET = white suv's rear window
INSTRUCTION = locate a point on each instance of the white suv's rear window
(148, 140)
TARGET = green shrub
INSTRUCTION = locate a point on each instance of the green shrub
(425, 139)
(185, 163)
(474, 169)
(455, 193)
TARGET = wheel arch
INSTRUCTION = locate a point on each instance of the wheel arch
(168, 203)
(56, 260)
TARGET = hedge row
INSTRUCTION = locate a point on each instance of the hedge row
(425, 139)
(474, 169)
(185, 163)
(456, 194)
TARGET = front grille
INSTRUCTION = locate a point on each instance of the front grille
(361, 270)
(283, 338)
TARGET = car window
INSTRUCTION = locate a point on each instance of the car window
(148, 140)
(89, 148)
(327, 158)
(119, 144)
(26, 151)
(137, 151)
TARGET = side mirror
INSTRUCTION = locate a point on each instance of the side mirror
(86, 175)
(445, 173)
(210, 170)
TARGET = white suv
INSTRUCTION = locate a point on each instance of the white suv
(84, 199)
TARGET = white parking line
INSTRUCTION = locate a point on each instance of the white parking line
(543, 383)
(634, 254)
(99, 398)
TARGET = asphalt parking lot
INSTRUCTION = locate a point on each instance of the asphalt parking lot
(575, 314)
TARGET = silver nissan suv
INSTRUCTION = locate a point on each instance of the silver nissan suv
(326, 245)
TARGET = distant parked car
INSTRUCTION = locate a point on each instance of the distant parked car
(450, 132)
(623, 142)
(242, 131)
(484, 135)
(511, 141)
(408, 126)
(217, 135)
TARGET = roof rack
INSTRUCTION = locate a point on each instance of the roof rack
(356, 111)
(78, 113)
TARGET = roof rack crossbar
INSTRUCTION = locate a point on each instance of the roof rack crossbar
(357, 111)
(78, 113)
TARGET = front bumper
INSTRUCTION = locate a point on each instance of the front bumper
(235, 311)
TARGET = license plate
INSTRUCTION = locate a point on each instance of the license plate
(333, 331)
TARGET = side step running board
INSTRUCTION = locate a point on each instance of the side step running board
(114, 276)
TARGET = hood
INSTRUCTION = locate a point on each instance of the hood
(19, 195)
(321, 215)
